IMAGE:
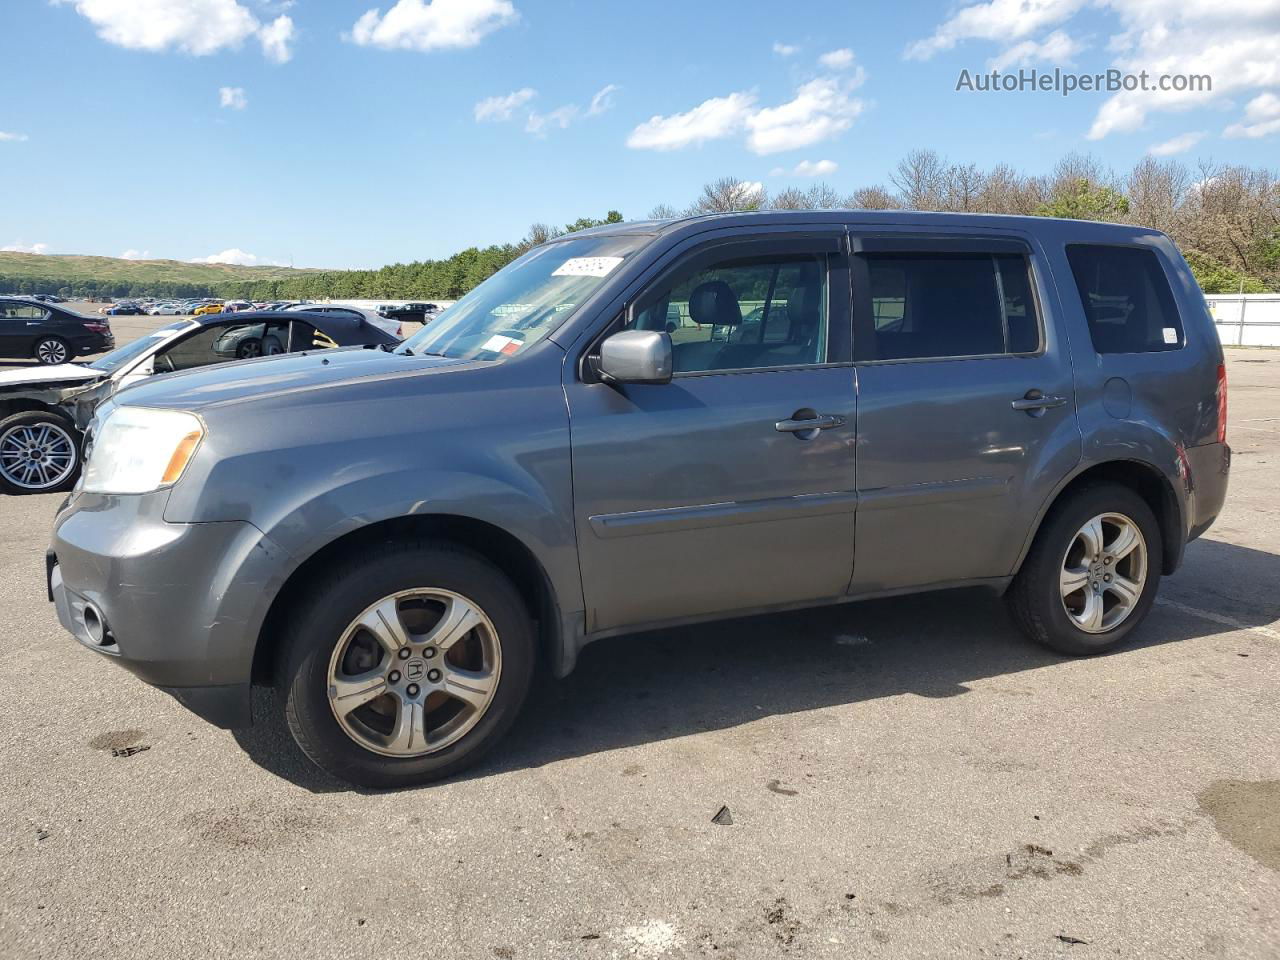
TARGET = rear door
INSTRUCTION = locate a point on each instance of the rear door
(14, 338)
(21, 324)
(966, 415)
(732, 486)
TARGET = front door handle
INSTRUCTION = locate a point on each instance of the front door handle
(1036, 403)
(822, 422)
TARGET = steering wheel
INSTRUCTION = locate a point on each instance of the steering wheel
(168, 362)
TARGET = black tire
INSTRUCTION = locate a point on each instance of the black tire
(10, 479)
(323, 613)
(1035, 598)
(51, 350)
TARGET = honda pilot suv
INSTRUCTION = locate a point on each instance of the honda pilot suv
(644, 425)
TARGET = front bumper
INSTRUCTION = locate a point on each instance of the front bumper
(179, 605)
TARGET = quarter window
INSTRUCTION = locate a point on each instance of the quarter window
(951, 305)
(741, 314)
(1126, 299)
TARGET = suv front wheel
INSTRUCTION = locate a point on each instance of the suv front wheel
(1092, 574)
(405, 665)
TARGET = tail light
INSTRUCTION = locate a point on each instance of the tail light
(1222, 403)
(98, 327)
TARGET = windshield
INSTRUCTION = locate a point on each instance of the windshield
(524, 301)
(117, 358)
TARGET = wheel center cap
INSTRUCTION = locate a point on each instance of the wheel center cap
(415, 669)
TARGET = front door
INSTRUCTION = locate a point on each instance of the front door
(731, 487)
(966, 416)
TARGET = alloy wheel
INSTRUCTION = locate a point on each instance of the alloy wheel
(51, 351)
(414, 672)
(37, 456)
(1103, 573)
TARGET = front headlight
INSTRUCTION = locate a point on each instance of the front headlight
(140, 449)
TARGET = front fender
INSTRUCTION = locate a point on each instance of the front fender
(489, 445)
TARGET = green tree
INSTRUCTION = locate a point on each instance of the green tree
(1083, 200)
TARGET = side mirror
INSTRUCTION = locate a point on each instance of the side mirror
(635, 356)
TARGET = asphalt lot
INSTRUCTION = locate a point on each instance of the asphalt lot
(906, 778)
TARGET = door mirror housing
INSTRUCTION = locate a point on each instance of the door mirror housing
(635, 356)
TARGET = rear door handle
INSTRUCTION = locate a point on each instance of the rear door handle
(823, 422)
(1036, 402)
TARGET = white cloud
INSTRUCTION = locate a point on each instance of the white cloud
(603, 100)
(1179, 144)
(14, 137)
(821, 109)
(837, 59)
(132, 254)
(236, 257)
(1235, 42)
(807, 168)
(198, 27)
(432, 24)
(1057, 48)
(712, 119)
(537, 123)
(501, 108)
(232, 97)
(785, 49)
(275, 39)
(25, 248)
(1262, 116)
(999, 20)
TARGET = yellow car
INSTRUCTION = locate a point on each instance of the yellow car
(207, 308)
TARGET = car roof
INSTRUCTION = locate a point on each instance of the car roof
(1084, 229)
(345, 329)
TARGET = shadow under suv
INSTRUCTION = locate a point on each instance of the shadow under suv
(650, 424)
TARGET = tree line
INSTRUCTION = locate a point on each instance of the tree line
(1224, 218)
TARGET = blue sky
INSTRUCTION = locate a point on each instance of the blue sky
(351, 138)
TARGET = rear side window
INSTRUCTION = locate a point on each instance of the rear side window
(1126, 299)
(951, 305)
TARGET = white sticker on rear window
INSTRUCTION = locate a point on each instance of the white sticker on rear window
(586, 267)
(1170, 335)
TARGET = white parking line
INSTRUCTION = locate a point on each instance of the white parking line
(1217, 618)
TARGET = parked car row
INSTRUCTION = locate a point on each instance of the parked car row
(44, 410)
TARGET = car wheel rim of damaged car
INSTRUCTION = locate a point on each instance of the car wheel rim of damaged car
(1103, 573)
(37, 456)
(51, 351)
(414, 672)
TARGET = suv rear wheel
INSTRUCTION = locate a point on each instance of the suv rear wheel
(1092, 573)
(406, 664)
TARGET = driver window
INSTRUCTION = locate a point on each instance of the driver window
(742, 314)
(215, 344)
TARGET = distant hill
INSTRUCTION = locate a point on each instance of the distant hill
(75, 275)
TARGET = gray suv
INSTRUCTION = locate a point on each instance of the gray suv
(643, 425)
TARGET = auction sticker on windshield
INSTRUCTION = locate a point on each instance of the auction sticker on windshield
(586, 267)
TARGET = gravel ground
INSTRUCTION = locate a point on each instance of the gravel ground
(905, 778)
